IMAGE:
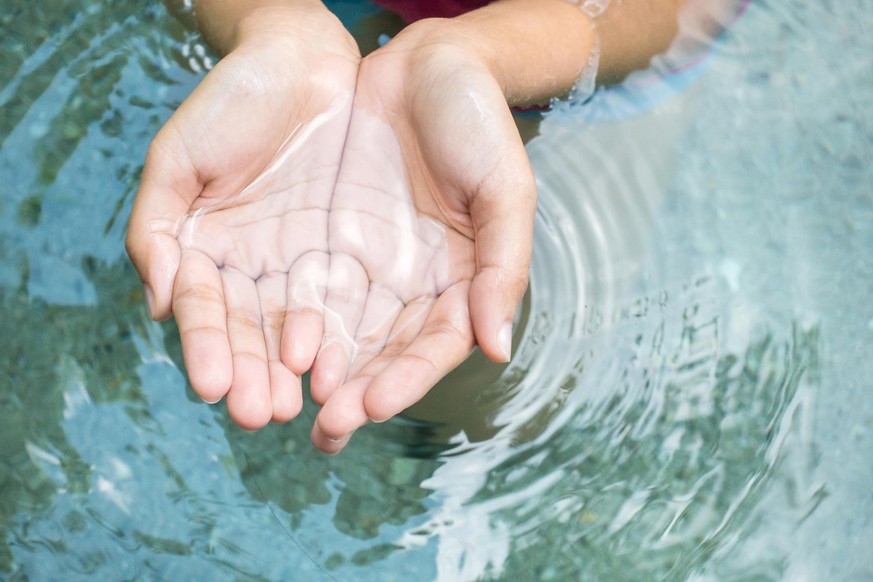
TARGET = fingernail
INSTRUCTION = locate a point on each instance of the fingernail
(211, 401)
(504, 340)
(150, 300)
(338, 440)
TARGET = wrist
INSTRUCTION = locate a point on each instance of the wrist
(300, 25)
(534, 49)
(427, 47)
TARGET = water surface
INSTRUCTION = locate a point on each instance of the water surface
(689, 396)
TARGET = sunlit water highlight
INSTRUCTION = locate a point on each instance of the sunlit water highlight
(689, 395)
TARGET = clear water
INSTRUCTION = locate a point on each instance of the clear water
(689, 397)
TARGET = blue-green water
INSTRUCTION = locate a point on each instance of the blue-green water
(689, 397)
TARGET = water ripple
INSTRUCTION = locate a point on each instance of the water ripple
(638, 427)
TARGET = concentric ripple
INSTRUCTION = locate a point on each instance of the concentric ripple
(644, 412)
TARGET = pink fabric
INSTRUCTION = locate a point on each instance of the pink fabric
(412, 10)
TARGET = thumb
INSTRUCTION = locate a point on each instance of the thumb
(162, 201)
(502, 211)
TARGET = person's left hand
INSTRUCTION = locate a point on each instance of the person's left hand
(430, 232)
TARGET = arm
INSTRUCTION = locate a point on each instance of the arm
(537, 49)
(225, 23)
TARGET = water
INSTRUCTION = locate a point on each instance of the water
(689, 395)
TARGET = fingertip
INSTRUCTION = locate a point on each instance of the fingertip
(377, 411)
(325, 444)
(495, 341)
(248, 401)
(298, 356)
(322, 383)
(329, 436)
(382, 403)
(208, 364)
(157, 262)
(164, 263)
(154, 252)
(493, 304)
(211, 388)
(286, 411)
(150, 298)
(250, 416)
(504, 341)
(286, 393)
(341, 416)
(158, 304)
(328, 372)
(335, 422)
(301, 338)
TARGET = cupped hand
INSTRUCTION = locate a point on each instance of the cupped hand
(229, 230)
(430, 232)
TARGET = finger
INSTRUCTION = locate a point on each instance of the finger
(406, 328)
(344, 412)
(248, 400)
(304, 321)
(443, 343)
(502, 211)
(167, 189)
(285, 391)
(333, 428)
(381, 311)
(343, 306)
(198, 302)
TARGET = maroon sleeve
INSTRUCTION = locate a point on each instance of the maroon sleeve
(412, 10)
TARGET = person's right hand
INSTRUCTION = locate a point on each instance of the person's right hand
(431, 229)
(229, 227)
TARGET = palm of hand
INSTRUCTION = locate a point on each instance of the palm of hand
(396, 277)
(265, 252)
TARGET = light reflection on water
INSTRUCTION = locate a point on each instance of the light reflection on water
(686, 399)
